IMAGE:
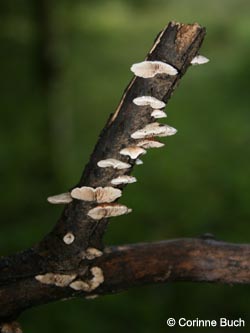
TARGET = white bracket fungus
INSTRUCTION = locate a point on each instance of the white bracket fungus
(59, 280)
(79, 285)
(112, 162)
(62, 198)
(99, 194)
(98, 277)
(150, 143)
(154, 129)
(108, 210)
(123, 180)
(147, 69)
(69, 238)
(199, 60)
(92, 253)
(138, 161)
(91, 284)
(158, 114)
(133, 152)
(149, 100)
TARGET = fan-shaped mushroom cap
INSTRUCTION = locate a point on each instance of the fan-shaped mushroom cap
(150, 143)
(133, 151)
(63, 198)
(138, 161)
(92, 253)
(199, 60)
(79, 285)
(112, 162)
(91, 284)
(99, 194)
(158, 114)
(123, 180)
(59, 280)
(149, 100)
(108, 210)
(147, 69)
(154, 129)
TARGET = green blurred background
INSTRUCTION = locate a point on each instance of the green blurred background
(64, 65)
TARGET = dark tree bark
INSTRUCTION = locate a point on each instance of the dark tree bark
(21, 275)
(195, 260)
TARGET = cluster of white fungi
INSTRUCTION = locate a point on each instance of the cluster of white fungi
(104, 197)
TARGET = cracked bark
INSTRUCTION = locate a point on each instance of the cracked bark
(123, 267)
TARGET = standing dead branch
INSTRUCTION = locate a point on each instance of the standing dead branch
(71, 260)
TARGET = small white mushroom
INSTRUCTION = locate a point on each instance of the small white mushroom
(98, 277)
(99, 194)
(92, 253)
(149, 100)
(83, 193)
(154, 129)
(168, 131)
(107, 194)
(69, 238)
(80, 285)
(112, 162)
(138, 161)
(199, 60)
(158, 114)
(123, 180)
(147, 69)
(59, 280)
(108, 210)
(62, 198)
(150, 143)
(91, 284)
(133, 152)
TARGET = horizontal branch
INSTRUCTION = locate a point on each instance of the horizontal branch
(195, 260)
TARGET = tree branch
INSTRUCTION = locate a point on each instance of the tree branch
(195, 260)
(176, 45)
(56, 269)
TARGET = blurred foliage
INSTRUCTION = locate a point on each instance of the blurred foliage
(62, 74)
